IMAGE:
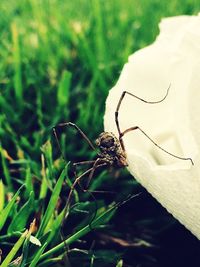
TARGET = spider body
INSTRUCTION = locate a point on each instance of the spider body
(111, 151)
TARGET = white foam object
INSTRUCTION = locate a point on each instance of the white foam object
(174, 58)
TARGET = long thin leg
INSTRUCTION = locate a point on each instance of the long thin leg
(91, 174)
(139, 98)
(97, 163)
(92, 171)
(77, 180)
(70, 124)
(74, 168)
(76, 164)
(83, 162)
(138, 128)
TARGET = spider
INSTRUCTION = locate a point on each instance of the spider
(111, 147)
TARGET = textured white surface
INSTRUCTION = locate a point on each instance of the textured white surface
(174, 58)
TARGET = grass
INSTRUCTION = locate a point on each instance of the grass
(58, 61)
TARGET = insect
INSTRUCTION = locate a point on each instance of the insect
(111, 148)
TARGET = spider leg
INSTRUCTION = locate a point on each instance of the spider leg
(73, 125)
(72, 189)
(78, 179)
(83, 162)
(91, 174)
(138, 128)
(139, 98)
(75, 165)
(96, 163)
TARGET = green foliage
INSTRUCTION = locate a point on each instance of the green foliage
(20, 219)
(14, 250)
(2, 195)
(58, 61)
(7, 210)
(119, 264)
(52, 203)
(63, 89)
(5, 168)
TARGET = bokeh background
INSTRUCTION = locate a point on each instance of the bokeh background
(58, 60)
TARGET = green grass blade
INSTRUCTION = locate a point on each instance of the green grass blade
(55, 227)
(28, 182)
(52, 203)
(5, 169)
(5, 212)
(63, 89)
(2, 195)
(25, 250)
(14, 250)
(20, 220)
(44, 184)
(99, 31)
(101, 219)
(39, 110)
(17, 64)
(37, 255)
(120, 263)
(47, 150)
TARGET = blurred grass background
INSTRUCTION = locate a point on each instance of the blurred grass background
(58, 60)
